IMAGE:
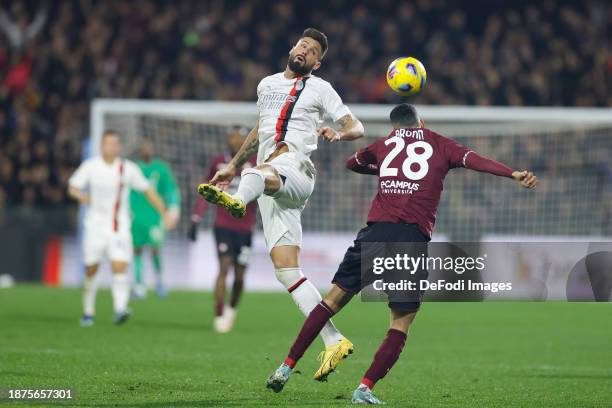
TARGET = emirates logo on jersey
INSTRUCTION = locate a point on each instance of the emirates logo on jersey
(275, 100)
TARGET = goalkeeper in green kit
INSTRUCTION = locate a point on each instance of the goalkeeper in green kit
(147, 226)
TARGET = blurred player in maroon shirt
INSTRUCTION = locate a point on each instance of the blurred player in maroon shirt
(233, 237)
(411, 164)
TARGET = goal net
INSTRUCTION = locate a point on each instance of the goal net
(570, 150)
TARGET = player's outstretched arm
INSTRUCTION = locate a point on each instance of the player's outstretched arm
(358, 166)
(350, 129)
(248, 148)
(474, 161)
(157, 203)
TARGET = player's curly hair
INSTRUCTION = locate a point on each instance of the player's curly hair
(318, 36)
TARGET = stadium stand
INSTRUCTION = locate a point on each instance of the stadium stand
(56, 56)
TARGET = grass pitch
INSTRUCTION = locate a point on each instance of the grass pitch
(498, 354)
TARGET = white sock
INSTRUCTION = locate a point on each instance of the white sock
(229, 312)
(90, 287)
(307, 297)
(121, 292)
(252, 185)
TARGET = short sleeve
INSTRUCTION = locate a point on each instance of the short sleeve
(455, 153)
(136, 180)
(80, 178)
(332, 104)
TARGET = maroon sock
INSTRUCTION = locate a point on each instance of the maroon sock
(310, 330)
(387, 354)
(218, 308)
(236, 292)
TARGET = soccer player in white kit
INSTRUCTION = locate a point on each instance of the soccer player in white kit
(103, 184)
(291, 106)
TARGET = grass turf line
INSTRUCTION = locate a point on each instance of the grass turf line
(497, 354)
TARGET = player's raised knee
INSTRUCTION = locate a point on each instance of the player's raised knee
(255, 171)
(285, 256)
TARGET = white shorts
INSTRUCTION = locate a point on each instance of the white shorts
(98, 243)
(281, 213)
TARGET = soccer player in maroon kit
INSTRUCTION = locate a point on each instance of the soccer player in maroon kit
(233, 237)
(411, 164)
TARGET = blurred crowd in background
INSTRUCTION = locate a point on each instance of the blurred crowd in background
(56, 56)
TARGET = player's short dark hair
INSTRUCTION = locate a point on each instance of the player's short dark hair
(405, 115)
(110, 132)
(318, 36)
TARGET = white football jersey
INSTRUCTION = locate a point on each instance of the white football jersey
(109, 188)
(291, 110)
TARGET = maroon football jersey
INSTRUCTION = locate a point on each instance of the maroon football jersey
(411, 165)
(223, 218)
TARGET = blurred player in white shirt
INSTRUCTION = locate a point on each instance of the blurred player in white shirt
(291, 106)
(103, 185)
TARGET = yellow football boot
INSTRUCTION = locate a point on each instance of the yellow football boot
(215, 195)
(331, 358)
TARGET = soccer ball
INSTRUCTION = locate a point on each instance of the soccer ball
(406, 76)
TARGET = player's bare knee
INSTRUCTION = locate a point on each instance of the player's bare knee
(271, 178)
(273, 185)
(118, 266)
(238, 273)
(223, 271)
(285, 256)
(225, 261)
(285, 262)
(402, 319)
(91, 270)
